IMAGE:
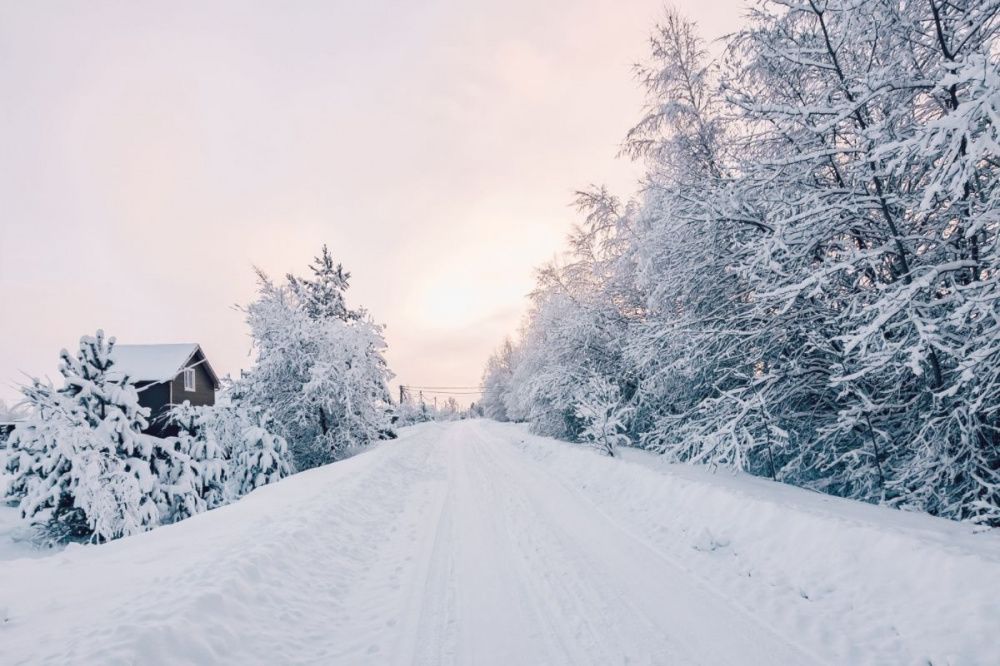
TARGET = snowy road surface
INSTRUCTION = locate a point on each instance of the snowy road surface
(456, 544)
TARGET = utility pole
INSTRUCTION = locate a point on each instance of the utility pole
(402, 393)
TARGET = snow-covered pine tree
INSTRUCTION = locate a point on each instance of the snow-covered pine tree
(81, 465)
(206, 440)
(259, 456)
(322, 297)
(234, 447)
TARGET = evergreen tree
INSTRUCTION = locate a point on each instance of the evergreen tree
(207, 440)
(81, 465)
(259, 456)
(322, 297)
(235, 449)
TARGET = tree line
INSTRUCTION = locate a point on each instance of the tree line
(806, 285)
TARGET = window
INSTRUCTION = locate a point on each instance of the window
(188, 379)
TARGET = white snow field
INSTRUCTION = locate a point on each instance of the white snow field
(473, 542)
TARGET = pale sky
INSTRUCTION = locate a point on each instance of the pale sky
(151, 153)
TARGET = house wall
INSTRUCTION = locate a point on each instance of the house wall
(157, 398)
(204, 389)
(5, 429)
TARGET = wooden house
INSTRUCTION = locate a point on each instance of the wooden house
(166, 375)
(6, 427)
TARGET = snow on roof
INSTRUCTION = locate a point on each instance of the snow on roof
(152, 363)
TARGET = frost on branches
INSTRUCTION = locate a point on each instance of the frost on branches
(808, 287)
(319, 367)
(80, 464)
(603, 415)
(496, 382)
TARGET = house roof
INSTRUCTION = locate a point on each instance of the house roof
(157, 363)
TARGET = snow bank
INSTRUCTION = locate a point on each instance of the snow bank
(15, 534)
(265, 580)
(860, 583)
(15, 537)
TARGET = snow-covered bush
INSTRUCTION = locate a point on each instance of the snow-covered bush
(80, 464)
(411, 411)
(235, 449)
(604, 417)
(319, 368)
(415, 409)
(259, 457)
(205, 437)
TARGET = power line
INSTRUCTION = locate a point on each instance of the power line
(426, 390)
(447, 388)
(407, 390)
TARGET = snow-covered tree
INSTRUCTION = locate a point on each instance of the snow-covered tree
(322, 297)
(206, 436)
(80, 464)
(496, 382)
(260, 457)
(411, 411)
(604, 417)
(319, 370)
(238, 450)
(806, 287)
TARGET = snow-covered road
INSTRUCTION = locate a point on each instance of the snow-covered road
(456, 544)
(518, 568)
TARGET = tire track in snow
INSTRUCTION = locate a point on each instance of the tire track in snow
(625, 577)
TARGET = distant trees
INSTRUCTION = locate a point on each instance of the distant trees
(806, 288)
(496, 382)
(414, 409)
(319, 370)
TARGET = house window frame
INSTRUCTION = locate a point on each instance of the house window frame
(189, 380)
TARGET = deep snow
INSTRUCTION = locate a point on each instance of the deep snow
(15, 535)
(475, 542)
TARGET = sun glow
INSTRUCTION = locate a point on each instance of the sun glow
(445, 302)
